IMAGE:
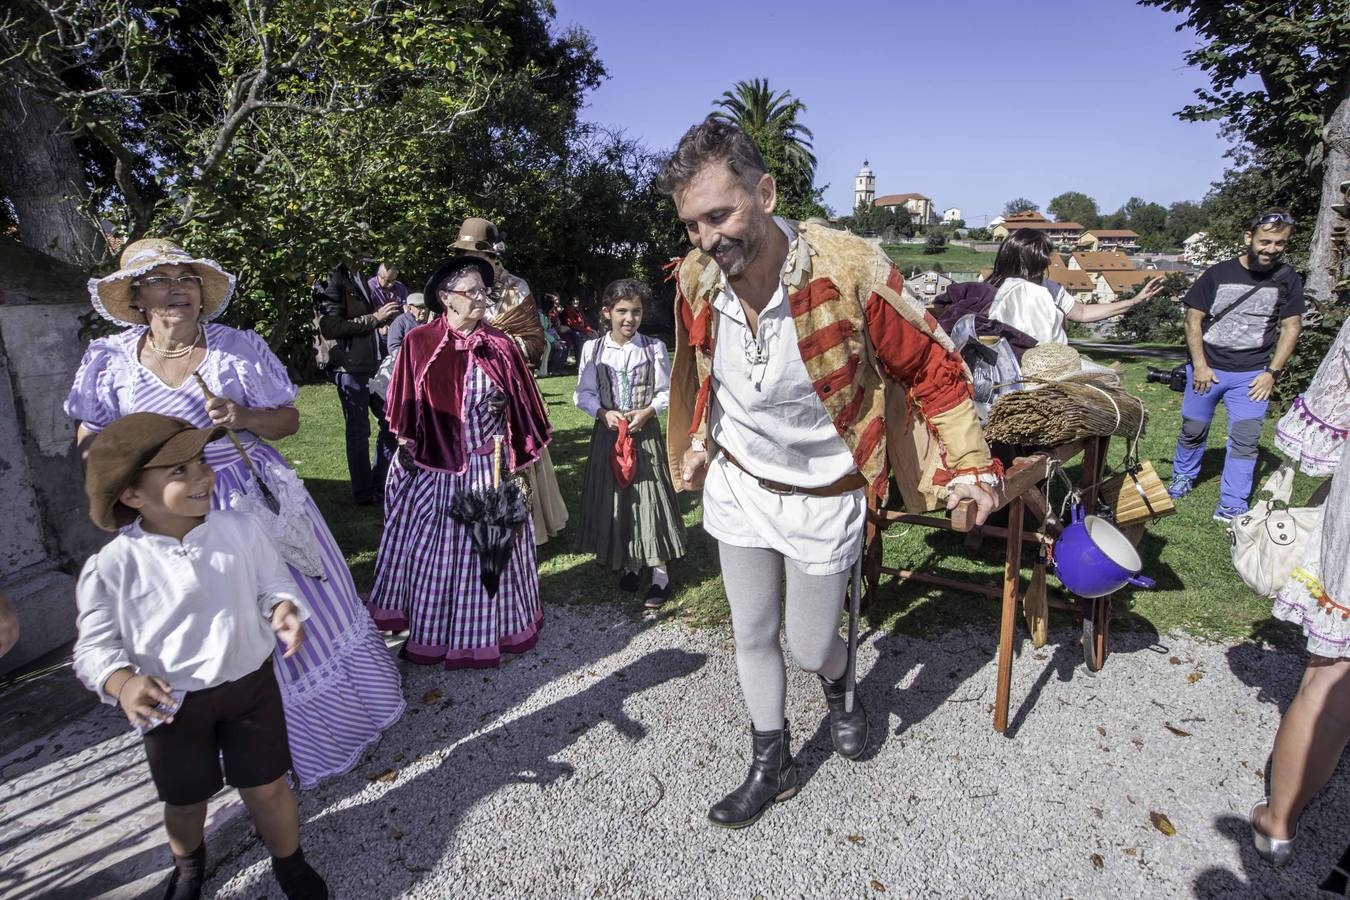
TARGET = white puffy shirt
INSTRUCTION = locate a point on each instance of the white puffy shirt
(194, 613)
(1030, 308)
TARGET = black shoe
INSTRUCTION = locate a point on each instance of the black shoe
(772, 779)
(630, 582)
(298, 879)
(189, 872)
(848, 730)
(656, 596)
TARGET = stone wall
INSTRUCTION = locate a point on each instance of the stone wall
(42, 507)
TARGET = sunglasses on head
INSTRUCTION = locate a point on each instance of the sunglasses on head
(1272, 219)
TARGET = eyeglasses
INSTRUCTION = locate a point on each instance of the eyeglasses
(1272, 219)
(164, 282)
(475, 294)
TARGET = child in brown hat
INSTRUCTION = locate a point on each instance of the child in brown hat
(176, 622)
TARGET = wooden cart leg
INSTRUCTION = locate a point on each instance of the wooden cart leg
(1034, 605)
(1012, 577)
(872, 554)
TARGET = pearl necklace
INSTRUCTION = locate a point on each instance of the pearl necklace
(173, 354)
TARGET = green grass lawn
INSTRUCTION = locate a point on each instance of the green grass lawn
(954, 259)
(1187, 553)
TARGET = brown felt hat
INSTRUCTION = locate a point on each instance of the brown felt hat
(479, 234)
(112, 294)
(129, 445)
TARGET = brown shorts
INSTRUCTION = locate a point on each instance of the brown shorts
(242, 720)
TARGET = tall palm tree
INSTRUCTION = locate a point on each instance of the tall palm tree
(770, 119)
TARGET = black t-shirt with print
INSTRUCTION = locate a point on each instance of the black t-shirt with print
(1243, 340)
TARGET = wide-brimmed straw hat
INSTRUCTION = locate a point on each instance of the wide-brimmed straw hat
(479, 234)
(1048, 362)
(112, 294)
(127, 446)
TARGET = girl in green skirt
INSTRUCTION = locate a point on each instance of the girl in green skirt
(624, 382)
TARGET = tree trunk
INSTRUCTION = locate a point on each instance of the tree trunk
(1325, 269)
(43, 177)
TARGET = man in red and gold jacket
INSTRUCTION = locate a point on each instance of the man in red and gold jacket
(800, 372)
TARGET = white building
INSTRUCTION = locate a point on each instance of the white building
(864, 186)
(952, 215)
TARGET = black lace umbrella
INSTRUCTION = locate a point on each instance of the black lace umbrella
(493, 516)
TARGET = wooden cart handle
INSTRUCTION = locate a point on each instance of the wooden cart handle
(963, 517)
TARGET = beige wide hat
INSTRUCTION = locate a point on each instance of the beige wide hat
(112, 294)
(481, 235)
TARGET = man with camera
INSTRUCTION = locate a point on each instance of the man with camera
(1243, 317)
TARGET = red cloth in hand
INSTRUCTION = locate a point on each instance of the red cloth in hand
(623, 459)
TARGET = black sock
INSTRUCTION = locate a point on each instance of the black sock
(194, 861)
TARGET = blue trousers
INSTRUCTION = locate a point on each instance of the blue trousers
(357, 405)
(1245, 417)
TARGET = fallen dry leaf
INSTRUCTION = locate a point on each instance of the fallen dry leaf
(1195, 676)
(1176, 660)
(1175, 730)
(386, 776)
(396, 835)
(1097, 861)
(856, 838)
(877, 886)
(431, 696)
(1101, 730)
(1130, 851)
(1162, 823)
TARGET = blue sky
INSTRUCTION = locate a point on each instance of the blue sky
(970, 103)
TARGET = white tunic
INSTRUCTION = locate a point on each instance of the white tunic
(766, 413)
(1030, 308)
(192, 612)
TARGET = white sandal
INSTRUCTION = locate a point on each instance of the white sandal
(1275, 851)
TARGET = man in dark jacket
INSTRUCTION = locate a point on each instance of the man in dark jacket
(349, 352)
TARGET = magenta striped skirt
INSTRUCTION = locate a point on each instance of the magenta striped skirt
(426, 575)
(342, 689)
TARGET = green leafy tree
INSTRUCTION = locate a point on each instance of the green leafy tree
(1280, 84)
(772, 120)
(1019, 204)
(1075, 206)
(1159, 319)
(935, 243)
(1185, 218)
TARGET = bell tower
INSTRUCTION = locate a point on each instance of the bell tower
(864, 187)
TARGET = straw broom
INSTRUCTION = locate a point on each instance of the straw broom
(1064, 411)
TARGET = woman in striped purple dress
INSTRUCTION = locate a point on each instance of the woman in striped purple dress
(342, 689)
(460, 390)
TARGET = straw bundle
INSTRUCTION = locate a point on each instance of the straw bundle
(1064, 411)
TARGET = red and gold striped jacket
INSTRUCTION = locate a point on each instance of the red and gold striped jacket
(889, 377)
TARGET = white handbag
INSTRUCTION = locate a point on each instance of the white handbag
(1269, 540)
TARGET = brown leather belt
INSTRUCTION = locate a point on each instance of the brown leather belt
(850, 482)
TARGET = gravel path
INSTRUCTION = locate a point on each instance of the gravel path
(585, 767)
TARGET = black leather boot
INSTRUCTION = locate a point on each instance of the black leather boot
(297, 878)
(772, 779)
(189, 872)
(848, 730)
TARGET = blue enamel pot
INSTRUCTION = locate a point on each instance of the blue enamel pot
(1092, 558)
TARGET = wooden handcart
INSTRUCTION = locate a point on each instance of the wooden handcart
(1023, 490)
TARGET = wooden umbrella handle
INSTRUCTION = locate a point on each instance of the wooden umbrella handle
(234, 438)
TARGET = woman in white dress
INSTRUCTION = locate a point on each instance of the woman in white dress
(1316, 727)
